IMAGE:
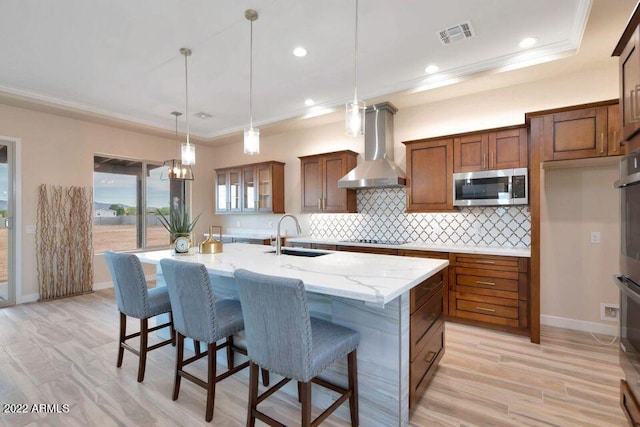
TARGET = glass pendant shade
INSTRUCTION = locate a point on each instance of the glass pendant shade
(175, 170)
(252, 141)
(188, 153)
(354, 118)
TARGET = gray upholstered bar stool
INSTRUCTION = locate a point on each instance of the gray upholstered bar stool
(136, 300)
(283, 338)
(198, 314)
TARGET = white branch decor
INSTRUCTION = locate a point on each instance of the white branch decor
(64, 241)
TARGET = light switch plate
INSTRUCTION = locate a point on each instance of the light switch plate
(595, 237)
(30, 229)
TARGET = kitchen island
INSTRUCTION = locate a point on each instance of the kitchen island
(368, 293)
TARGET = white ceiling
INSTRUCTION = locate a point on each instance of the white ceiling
(120, 57)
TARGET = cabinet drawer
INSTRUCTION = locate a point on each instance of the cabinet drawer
(423, 320)
(368, 250)
(423, 366)
(487, 309)
(488, 282)
(503, 263)
(324, 246)
(422, 292)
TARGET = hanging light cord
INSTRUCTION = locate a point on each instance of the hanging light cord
(186, 90)
(251, 77)
(355, 61)
(177, 140)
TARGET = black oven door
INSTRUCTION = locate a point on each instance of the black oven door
(629, 331)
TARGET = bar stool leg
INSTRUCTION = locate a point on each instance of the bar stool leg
(123, 333)
(144, 335)
(179, 359)
(265, 377)
(352, 362)
(305, 389)
(172, 330)
(230, 352)
(211, 380)
(253, 394)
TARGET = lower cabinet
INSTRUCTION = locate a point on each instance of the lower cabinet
(426, 332)
(490, 291)
(629, 404)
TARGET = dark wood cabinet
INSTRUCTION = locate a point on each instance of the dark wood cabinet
(367, 249)
(629, 65)
(426, 331)
(490, 291)
(252, 188)
(489, 150)
(581, 132)
(429, 175)
(616, 145)
(319, 182)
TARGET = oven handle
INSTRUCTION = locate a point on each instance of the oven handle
(625, 286)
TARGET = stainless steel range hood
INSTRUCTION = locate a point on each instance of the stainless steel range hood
(378, 169)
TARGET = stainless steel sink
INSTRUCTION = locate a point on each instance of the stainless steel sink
(295, 252)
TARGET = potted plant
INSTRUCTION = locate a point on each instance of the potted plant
(178, 224)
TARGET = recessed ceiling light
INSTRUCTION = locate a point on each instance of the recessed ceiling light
(300, 52)
(431, 69)
(528, 42)
(202, 115)
(309, 102)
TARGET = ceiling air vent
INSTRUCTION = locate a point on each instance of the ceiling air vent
(456, 33)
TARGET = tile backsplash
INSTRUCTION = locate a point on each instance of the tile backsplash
(382, 217)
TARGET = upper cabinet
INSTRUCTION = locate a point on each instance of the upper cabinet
(489, 150)
(252, 188)
(628, 51)
(629, 54)
(319, 175)
(579, 133)
(430, 175)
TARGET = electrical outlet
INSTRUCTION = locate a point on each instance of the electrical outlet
(595, 237)
(609, 312)
(30, 229)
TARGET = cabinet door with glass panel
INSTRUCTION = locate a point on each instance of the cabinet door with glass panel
(252, 188)
(228, 191)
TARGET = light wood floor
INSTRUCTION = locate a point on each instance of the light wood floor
(64, 352)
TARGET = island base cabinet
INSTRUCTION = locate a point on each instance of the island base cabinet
(426, 332)
(423, 367)
(629, 404)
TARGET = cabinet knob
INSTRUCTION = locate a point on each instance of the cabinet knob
(615, 141)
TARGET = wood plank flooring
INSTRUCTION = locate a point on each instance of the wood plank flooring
(64, 352)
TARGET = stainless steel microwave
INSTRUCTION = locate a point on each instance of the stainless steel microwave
(491, 188)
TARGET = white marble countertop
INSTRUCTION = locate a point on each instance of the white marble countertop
(374, 279)
(481, 250)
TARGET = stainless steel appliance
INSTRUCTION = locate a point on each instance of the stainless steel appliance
(491, 188)
(378, 169)
(629, 279)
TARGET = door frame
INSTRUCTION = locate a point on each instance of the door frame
(15, 237)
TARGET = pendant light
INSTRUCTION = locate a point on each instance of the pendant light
(188, 150)
(251, 135)
(354, 111)
(174, 169)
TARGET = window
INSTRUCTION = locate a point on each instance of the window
(126, 194)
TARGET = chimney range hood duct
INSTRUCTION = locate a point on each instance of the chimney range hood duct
(378, 169)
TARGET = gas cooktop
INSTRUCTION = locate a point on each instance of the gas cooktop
(375, 241)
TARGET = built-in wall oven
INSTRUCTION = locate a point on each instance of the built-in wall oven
(629, 278)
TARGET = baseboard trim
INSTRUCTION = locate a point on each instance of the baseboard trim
(28, 298)
(579, 325)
